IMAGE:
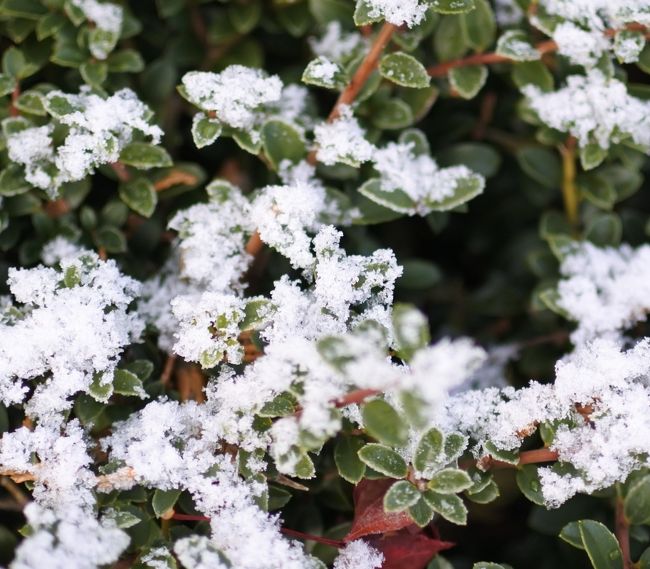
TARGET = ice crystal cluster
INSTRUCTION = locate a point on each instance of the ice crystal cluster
(204, 358)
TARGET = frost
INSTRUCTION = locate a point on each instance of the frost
(358, 555)
(580, 46)
(337, 45)
(594, 109)
(398, 12)
(98, 129)
(419, 177)
(605, 290)
(58, 249)
(105, 15)
(75, 327)
(234, 94)
(342, 140)
(508, 12)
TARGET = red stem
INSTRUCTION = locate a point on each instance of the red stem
(622, 530)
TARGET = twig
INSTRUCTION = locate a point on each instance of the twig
(622, 530)
(166, 375)
(121, 172)
(569, 189)
(16, 493)
(13, 110)
(441, 69)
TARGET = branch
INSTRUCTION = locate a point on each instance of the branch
(441, 69)
(121, 172)
(570, 193)
(622, 530)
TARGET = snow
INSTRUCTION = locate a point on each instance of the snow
(398, 12)
(358, 555)
(105, 15)
(342, 140)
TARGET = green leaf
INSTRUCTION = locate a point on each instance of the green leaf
(381, 421)
(487, 565)
(94, 72)
(514, 44)
(282, 141)
(450, 481)
(529, 484)
(111, 239)
(87, 408)
(403, 69)
(605, 230)
(205, 130)
(509, 456)
(347, 460)
(487, 495)
(282, 405)
(479, 26)
(245, 16)
(12, 181)
(571, 534)
(15, 64)
(256, 313)
(143, 156)
(142, 368)
(628, 45)
(532, 73)
(125, 61)
(600, 544)
(324, 73)
(598, 190)
(31, 102)
(466, 189)
(542, 165)
(411, 330)
(421, 512)
(591, 156)
(30, 9)
(637, 502)
(419, 275)
(644, 561)
(102, 42)
(304, 467)
(395, 200)
(49, 24)
(124, 519)
(100, 390)
(163, 501)
(362, 11)
(449, 506)
(430, 450)
(392, 114)
(127, 383)
(7, 84)
(384, 460)
(449, 41)
(477, 156)
(140, 195)
(58, 105)
(469, 80)
(400, 496)
(452, 6)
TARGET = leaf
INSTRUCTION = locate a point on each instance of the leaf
(395, 200)
(283, 405)
(392, 114)
(111, 239)
(598, 190)
(479, 25)
(124, 519)
(485, 496)
(450, 481)
(322, 72)
(205, 130)
(452, 6)
(430, 450)
(382, 422)
(600, 544)
(140, 195)
(466, 189)
(125, 61)
(12, 181)
(637, 502)
(369, 514)
(571, 534)
(101, 391)
(605, 230)
(142, 155)
(362, 11)
(411, 329)
(628, 45)
(467, 81)
(163, 501)
(487, 565)
(282, 141)
(591, 156)
(508, 456)
(421, 512)
(532, 73)
(644, 561)
(515, 45)
(477, 156)
(542, 165)
(384, 460)
(449, 506)
(401, 496)
(403, 69)
(94, 73)
(404, 550)
(419, 274)
(127, 383)
(348, 463)
(529, 484)
(7, 84)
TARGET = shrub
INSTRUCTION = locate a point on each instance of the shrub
(273, 288)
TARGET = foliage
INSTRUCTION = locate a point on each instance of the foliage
(324, 283)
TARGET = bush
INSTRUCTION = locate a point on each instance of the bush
(276, 276)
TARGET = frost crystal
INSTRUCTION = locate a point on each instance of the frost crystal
(105, 15)
(335, 44)
(342, 140)
(398, 12)
(76, 324)
(234, 94)
(580, 46)
(605, 290)
(419, 177)
(358, 555)
(594, 109)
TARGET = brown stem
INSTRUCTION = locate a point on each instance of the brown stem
(16, 493)
(255, 244)
(166, 375)
(536, 456)
(121, 171)
(441, 69)
(13, 110)
(358, 396)
(622, 530)
(364, 70)
(308, 536)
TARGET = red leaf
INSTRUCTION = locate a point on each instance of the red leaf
(369, 515)
(408, 551)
